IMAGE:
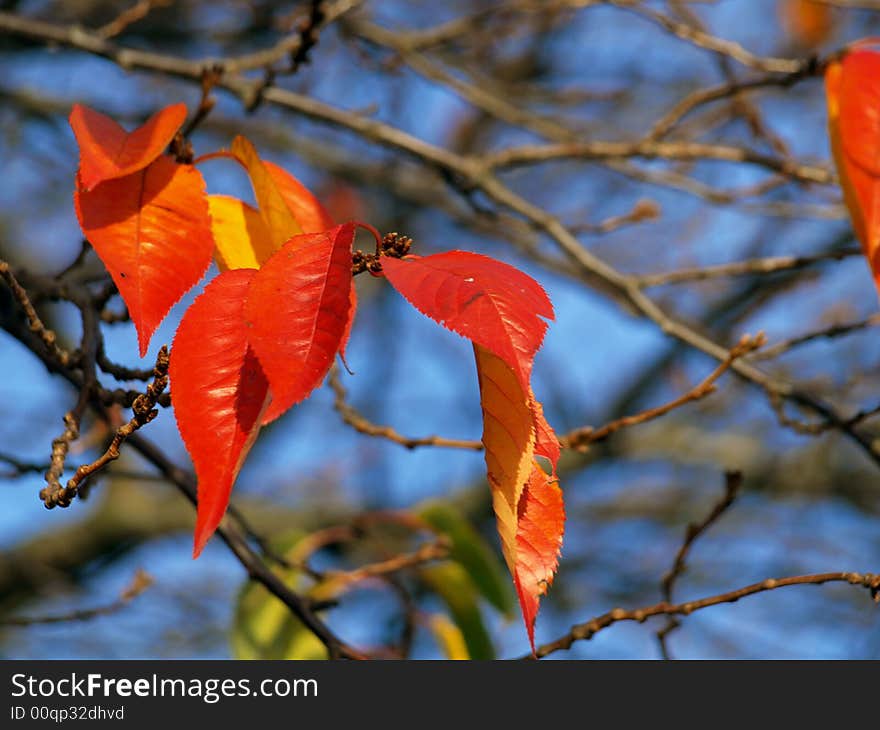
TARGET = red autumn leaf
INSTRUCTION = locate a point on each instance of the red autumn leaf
(538, 540)
(107, 151)
(859, 100)
(500, 310)
(491, 303)
(853, 90)
(298, 312)
(153, 233)
(219, 392)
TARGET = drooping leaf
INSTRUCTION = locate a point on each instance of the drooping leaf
(853, 92)
(508, 441)
(219, 392)
(451, 582)
(240, 234)
(538, 541)
(152, 230)
(491, 303)
(527, 501)
(471, 552)
(277, 215)
(297, 313)
(107, 151)
(502, 311)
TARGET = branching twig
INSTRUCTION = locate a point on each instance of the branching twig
(362, 425)
(732, 484)
(35, 324)
(139, 583)
(835, 330)
(144, 408)
(581, 438)
(768, 265)
(587, 630)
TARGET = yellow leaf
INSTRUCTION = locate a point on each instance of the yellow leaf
(448, 636)
(242, 239)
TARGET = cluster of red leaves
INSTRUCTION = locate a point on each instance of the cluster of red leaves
(265, 331)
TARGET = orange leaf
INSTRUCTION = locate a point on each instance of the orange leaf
(298, 311)
(853, 92)
(527, 502)
(491, 303)
(809, 22)
(219, 393)
(508, 441)
(152, 230)
(240, 234)
(107, 151)
(308, 212)
(541, 521)
(277, 216)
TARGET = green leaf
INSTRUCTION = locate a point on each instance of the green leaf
(475, 556)
(451, 582)
(264, 628)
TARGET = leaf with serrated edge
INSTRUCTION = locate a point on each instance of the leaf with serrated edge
(240, 234)
(152, 230)
(546, 443)
(491, 303)
(297, 312)
(508, 441)
(107, 151)
(219, 393)
(540, 524)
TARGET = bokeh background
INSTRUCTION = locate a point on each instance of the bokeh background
(591, 71)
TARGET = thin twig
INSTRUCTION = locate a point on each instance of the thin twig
(732, 484)
(835, 330)
(144, 409)
(359, 423)
(750, 267)
(136, 12)
(581, 438)
(35, 324)
(139, 583)
(587, 630)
